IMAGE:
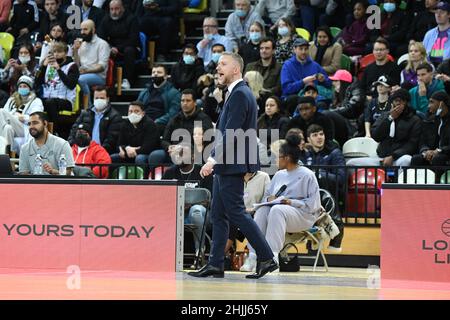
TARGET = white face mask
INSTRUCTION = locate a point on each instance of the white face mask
(100, 104)
(24, 59)
(135, 118)
(438, 112)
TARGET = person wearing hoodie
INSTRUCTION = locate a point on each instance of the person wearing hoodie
(300, 70)
(15, 114)
(59, 77)
(86, 151)
(184, 122)
(427, 85)
(185, 73)
(103, 119)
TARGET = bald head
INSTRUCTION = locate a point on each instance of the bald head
(87, 29)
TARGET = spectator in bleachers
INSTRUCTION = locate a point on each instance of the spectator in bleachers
(52, 14)
(211, 37)
(25, 65)
(272, 119)
(416, 56)
(325, 52)
(435, 139)
(189, 117)
(311, 91)
(25, 20)
(308, 116)
(434, 146)
(103, 119)
(216, 52)
(300, 205)
(15, 114)
(349, 99)
(91, 55)
(398, 133)
(56, 34)
(90, 11)
(212, 96)
(287, 35)
(160, 98)
(87, 151)
(237, 27)
(426, 86)
(189, 68)
(378, 105)
(158, 17)
(48, 146)
(355, 36)
(199, 145)
(437, 40)
(249, 49)
(394, 27)
(443, 73)
(121, 30)
(422, 22)
(58, 77)
(5, 10)
(276, 9)
(299, 71)
(321, 153)
(381, 66)
(138, 137)
(255, 81)
(268, 67)
(186, 170)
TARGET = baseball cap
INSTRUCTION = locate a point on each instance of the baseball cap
(342, 75)
(85, 127)
(304, 99)
(310, 87)
(300, 42)
(384, 80)
(443, 6)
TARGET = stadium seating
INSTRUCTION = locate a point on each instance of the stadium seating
(303, 33)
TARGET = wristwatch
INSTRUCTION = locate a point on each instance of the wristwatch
(439, 150)
(390, 118)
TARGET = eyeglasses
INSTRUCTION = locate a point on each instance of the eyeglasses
(209, 26)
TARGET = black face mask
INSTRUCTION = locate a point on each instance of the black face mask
(60, 61)
(158, 80)
(82, 139)
(87, 37)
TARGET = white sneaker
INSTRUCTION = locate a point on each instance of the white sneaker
(334, 249)
(249, 265)
(126, 84)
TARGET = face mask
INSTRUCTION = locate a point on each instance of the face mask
(283, 31)
(241, 13)
(158, 80)
(60, 61)
(216, 56)
(210, 37)
(82, 139)
(135, 118)
(23, 91)
(100, 104)
(87, 37)
(188, 59)
(255, 36)
(24, 59)
(389, 7)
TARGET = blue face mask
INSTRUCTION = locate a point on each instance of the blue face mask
(389, 7)
(241, 13)
(283, 31)
(210, 37)
(188, 59)
(255, 36)
(215, 57)
(23, 91)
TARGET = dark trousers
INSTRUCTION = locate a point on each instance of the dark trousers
(159, 26)
(53, 106)
(127, 55)
(228, 208)
(438, 160)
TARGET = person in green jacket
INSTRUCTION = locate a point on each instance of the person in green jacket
(426, 86)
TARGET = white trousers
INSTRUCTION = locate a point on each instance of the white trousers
(403, 161)
(10, 126)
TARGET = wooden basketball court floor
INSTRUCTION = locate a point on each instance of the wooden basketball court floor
(338, 283)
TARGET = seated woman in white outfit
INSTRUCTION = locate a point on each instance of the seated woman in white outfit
(300, 207)
(15, 114)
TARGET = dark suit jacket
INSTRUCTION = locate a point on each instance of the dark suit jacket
(239, 112)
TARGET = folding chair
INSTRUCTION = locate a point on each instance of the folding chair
(323, 229)
(360, 147)
(193, 196)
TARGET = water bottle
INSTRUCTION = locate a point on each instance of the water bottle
(62, 165)
(38, 165)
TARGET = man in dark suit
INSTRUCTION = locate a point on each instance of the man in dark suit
(230, 161)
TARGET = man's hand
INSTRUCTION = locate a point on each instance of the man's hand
(204, 43)
(430, 154)
(395, 112)
(121, 153)
(114, 51)
(76, 44)
(48, 168)
(131, 152)
(422, 89)
(443, 77)
(23, 31)
(309, 79)
(218, 95)
(320, 77)
(388, 161)
(207, 169)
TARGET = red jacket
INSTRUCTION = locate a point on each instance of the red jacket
(94, 154)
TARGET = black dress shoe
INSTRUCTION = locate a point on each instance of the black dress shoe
(262, 268)
(207, 271)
